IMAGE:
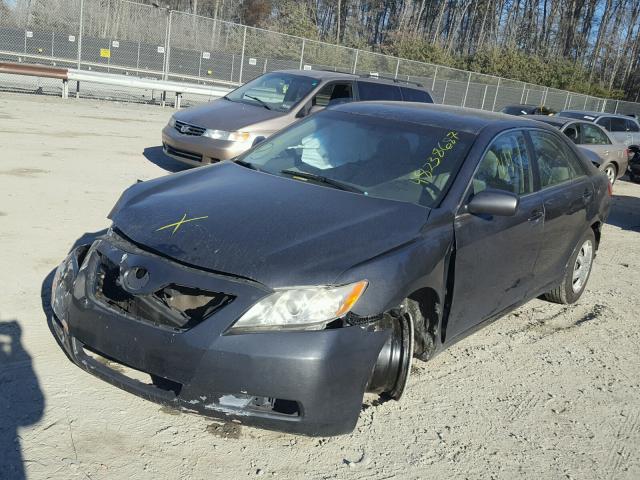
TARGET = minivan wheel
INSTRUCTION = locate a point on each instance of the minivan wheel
(577, 272)
(611, 172)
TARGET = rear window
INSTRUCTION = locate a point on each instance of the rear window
(415, 95)
(378, 91)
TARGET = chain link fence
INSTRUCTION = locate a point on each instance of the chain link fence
(120, 36)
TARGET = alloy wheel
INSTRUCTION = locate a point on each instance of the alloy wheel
(582, 266)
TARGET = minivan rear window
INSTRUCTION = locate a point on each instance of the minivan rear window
(378, 91)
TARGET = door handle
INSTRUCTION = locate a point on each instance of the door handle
(606, 152)
(587, 194)
(536, 214)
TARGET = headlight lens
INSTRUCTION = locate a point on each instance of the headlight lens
(307, 308)
(60, 287)
(229, 136)
(172, 121)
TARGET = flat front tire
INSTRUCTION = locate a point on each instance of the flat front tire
(577, 272)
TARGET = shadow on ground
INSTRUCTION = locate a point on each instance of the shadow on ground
(625, 212)
(156, 155)
(21, 400)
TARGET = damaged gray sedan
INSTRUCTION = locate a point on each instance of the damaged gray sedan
(277, 289)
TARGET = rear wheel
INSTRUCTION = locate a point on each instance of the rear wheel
(577, 272)
(611, 172)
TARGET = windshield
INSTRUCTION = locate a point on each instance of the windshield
(274, 91)
(371, 155)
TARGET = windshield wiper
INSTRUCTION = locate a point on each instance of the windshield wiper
(320, 179)
(261, 102)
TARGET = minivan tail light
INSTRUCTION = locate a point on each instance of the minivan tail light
(609, 188)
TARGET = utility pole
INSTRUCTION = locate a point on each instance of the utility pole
(339, 13)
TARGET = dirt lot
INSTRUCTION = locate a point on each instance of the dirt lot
(547, 392)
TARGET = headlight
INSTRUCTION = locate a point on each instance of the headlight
(60, 287)
(307, 308)
(229, 136)
(172, 121)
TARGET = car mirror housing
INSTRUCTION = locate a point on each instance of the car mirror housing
(494, 202)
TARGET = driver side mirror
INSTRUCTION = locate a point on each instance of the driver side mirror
(494, 202)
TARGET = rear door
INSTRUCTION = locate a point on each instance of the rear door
(566, 191)
(496, 255)
(596, 140)
(634, 130)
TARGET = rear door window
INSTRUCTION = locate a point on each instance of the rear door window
(505, 166)
(632, 126)
(618, 124)
(557, 163)
(378, 91)
(415, 95)
(593, 135)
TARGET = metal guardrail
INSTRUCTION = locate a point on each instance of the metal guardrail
(67, 74)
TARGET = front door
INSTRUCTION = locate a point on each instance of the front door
(496, 256)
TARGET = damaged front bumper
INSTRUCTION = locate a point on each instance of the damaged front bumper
(145, 336)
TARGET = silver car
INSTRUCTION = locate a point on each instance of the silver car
(622, 128)
(225, 128)
(609, 155)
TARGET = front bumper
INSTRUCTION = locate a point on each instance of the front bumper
(198, 150)
(301, 382)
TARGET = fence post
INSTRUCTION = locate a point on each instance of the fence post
(167, 48)
(444, 95)
(493, 108)
(433, 84)
(617, 104)
(484, 96)
(544, 96)
(466, 92)
(80, 32)
(302, 55)
(585, 102)
(244, 42)
(53, 39)
(566, 102)
(397, 68)
(355, 62)
(524, 88)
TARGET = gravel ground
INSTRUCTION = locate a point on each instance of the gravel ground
(549, 391)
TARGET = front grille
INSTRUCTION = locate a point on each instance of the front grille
(174, 306)
(188, 129)
(183, 153)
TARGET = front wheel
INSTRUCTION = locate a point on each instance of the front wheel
(577, 272)
(611, 172)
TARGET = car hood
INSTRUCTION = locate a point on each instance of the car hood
(225, 115)
(274, 230)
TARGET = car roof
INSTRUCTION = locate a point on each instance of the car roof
(467, 120)
(598, 114)
(555, 120)
(331, 75)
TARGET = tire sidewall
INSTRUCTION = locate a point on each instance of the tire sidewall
(570, 295)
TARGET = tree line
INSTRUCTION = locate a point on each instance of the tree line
(588, 46)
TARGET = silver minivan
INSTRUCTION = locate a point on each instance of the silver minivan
(622, 128)
(226, 127)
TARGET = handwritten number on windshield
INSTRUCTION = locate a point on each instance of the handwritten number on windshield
(439, 152)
